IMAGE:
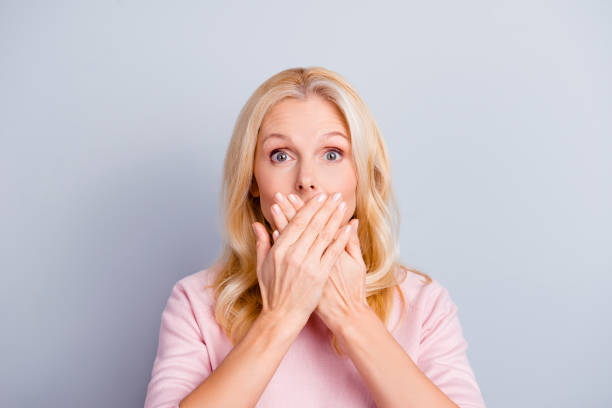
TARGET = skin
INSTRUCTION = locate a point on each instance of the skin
(291, 170)
(305, 162)
(376, 354)
(344, 292)
(285, 184)
(310, 169)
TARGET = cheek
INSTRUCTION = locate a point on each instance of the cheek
(266, 202)
(266, 196)
(352, 205)
(347, 185)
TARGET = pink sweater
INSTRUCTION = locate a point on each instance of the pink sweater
(192, 344)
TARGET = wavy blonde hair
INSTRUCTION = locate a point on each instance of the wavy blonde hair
(238, 299)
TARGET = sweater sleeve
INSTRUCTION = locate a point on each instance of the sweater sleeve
(443, 356)
(182, 361)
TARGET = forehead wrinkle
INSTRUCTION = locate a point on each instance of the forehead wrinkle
(326, 135)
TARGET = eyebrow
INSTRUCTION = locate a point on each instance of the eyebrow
(324, 135)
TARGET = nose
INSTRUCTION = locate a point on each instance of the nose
(306, 185)
(303, 187)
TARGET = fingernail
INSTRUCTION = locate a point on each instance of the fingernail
(336, 197)
(276, 208)
(293, 198)
(278, 196)
(347, 229)
(322, 197)
(356, 223)
(275, 234)
(342, 206)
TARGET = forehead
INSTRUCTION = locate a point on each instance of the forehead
(322, 137)
(314, 116)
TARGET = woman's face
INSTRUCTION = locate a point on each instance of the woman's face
(303, 148)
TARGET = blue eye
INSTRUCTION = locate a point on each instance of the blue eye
(334, 153)
(278, 151)
(281, 155)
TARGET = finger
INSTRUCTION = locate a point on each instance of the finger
(287, 210)
(296, 201)
(294, 205)
(279, 219)
(354, 246)
(329, 232)
(300, 221)
(336, 248)
(262, 243)
(316, 226)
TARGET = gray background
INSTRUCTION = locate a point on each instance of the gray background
(116, 117)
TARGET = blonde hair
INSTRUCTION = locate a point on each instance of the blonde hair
(237, 294)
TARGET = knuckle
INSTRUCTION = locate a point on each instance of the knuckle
(299, 220)
(309, 271)
(336, 247)
(317, 223)
(326, 235)
(277, 255)
(292, 259)
(338, 215)
(286, 211)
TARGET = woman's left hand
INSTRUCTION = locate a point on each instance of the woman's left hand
(344, 293)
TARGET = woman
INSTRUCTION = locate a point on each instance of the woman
(303, 307)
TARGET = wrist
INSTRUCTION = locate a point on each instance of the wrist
(352, 320)
(280, 324)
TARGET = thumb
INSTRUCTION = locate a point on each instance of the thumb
(262, 243)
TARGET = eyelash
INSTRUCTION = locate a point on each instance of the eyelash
(335, 150)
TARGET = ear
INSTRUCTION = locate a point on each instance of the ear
(253, 189)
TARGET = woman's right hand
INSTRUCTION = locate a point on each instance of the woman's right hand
(293, 271)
